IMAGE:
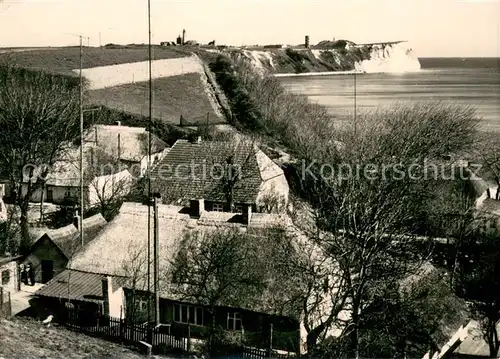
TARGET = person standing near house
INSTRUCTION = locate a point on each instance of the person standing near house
(23, 274)
(29, 274)
(32, 276)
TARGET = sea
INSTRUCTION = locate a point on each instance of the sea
(466, 81)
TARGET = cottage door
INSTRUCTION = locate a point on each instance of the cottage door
(50, 195)
(47, 270)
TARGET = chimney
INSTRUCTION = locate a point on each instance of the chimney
(195, 139)
(106, 292)
(197, 207)
(77, 221)
(183, 36)
(92, 157)
(247, 214)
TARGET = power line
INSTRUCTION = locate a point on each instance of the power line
(149, 163)
(81, 143)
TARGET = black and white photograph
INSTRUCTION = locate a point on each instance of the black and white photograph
(249, 179)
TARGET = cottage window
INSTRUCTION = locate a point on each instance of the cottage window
(143, 305)
(233, 321)
(218, 207)
(5, 277)
(188, 314)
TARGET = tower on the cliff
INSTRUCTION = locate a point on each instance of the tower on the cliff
(183, 36)
(306, 43)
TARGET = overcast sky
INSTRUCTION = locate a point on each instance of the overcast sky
(433, 27)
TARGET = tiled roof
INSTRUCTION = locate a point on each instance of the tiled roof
(474, 344)
(67, 238)
(193, 171)
(133, 141)
(77, 285)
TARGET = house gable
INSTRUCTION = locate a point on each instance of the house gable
(45, 250)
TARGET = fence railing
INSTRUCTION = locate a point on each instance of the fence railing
(160, 338)
(244, 352)
(5, 304)
(120, 330)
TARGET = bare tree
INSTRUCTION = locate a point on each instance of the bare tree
(38, 115)
(237, 162)
(134, 268)
(488, 150)
(109, 181)
(214, 269)
(478, 282)
(367, 195)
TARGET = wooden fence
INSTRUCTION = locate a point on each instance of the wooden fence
(5, 304)
(243, 352)
(119, 330)
(122, 331)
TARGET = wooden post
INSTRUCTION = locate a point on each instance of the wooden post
(10, 306)
(181, 121)
(189, 339)
(148, 348)
(1, 302)
(156, 268)
(270, 352)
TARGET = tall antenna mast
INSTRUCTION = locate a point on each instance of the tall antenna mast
(81, 143)
(149, 160)
(355, 95)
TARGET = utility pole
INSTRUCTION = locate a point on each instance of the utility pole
(149, 160)
(155, 260)
(355, 95)
(81, 144)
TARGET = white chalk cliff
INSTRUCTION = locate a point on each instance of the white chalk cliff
(393, 58)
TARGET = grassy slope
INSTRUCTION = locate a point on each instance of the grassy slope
(26, 339)
(65, 59)
(173, 96)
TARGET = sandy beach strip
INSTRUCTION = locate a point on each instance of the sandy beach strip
(329, 73)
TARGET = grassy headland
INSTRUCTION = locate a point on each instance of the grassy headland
(66, 59)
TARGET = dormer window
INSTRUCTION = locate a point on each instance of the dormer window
(217, 207)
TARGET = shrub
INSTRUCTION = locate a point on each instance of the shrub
(245, 112)
(297, 59)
